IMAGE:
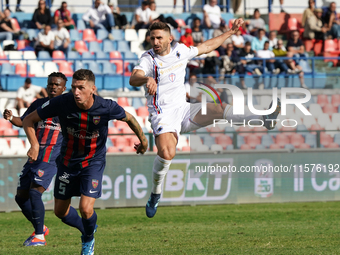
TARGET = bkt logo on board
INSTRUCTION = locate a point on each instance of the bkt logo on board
(191, 180)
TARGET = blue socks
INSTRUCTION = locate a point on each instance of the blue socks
(25, 206)
(89, 226)
(72, 219)
(38, 211)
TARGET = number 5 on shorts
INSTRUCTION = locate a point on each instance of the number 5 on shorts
(62, 188)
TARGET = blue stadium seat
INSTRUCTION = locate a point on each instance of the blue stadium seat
(137, 102)
(81, 24)
(75, 35)
(260, 147)
(289, 146)
(240, 141)
(94, 67)
(209, 140)
(108, 143)
(230, 147)
(21, 16)
(208, 33)
(109, 68)
(132, 57)
(176, 34)
(302, 127)
(229, 129)
(32, 33)
(108, 46)
(73, 55)
(117, 34)
(44, 56)
(102, 34)
(7, 69)
(337, 138)
(94, 47)
(227, 16)
(80, 65)
(123, 46)
(311, 140)
(102, 57)
(87, 57)
(129, 16)
(267, 140)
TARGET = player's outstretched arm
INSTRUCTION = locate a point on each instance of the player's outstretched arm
(28, 124)
(138, 79)
(16, 121)
(136, 128)
(215, 42)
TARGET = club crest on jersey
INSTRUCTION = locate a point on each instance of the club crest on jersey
(40, 173)
(94, 183)
(96, 119)
(178, 55)
(172, 77)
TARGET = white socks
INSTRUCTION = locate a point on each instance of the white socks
(160, 168)
(41, 236)
(241, 120)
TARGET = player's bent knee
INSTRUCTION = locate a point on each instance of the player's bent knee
(167, 153)
(22, 194)
(86, 211)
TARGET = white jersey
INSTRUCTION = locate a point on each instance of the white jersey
(169, 74)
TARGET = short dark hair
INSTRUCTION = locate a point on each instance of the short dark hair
(261, 29)
(248, 43)
(266, 42)
(28, 80)
(145, 3)
(63, 2)
(84, 75)
(256, 10)
(196, 18)
(58, 75)
(160, 26)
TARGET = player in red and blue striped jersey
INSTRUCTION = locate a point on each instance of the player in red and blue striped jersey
(36, 176)
(84, 121)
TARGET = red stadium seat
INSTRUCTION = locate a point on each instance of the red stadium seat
(22, 44)
(335, 99)
(290, 129)
(115, 57)
(58, 56)
(15, 24)
(309, 44)
(260, 131)
(21, 69)
(3, 57)
(121, 124)
(282, 140)
(253, 140)
(215, 131)
(318, 45)
(304, 146)
(274, 146)
(123, 101)
(134, 139)
(89, 35)
(113, 130)
(112, 149)
(10, 132)
(329, 109)
(325, 139)
(296, 139)
(5, 124)
(81, 46)
(332, 145)
(186, 148)
(245, 147)
(293, 24)
(223, 140)
(331, 50)
(121, 142)
(322, 100)
(181, 22)
(243, 129)
(315, 127)
(65, 68)
(128, 149)
(142, 111)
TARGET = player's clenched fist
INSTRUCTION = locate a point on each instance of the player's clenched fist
(141, 147)
(151, 85)
(7, 114)
(33, 153)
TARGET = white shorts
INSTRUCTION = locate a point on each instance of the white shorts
(178, 120)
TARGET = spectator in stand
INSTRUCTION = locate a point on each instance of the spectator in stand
(295, 45)
(256, 24)
(331, 21)
(266, 53)
(248, 65)
(62, 37)
(143, 16)
(238, 40)
(272, 39)
(187, 38)
(289, 66)
(258, 42)
(314, 28)
(174, 9)
(308, 12)
(147, 42)
(230, 62)
(45, 41)
(120, 19)
(197, 34)
(156, 17)
(42, 16)
(212, 15)
(193, 95)
(28, 93)
(17, 9)
(65, 15)
(219, 31)
(245, 33)
(6, 29)
(99, 17)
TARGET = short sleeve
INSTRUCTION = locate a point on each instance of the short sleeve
(37, 89)
(189, 52)
(20, 91)
(116, 111)
(30, 109)
(56, 13)
(50, 108)
(145, 64)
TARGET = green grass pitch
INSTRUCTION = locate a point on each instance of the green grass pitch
(288, 228)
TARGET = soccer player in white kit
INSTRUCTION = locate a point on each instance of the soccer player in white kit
(162, 71)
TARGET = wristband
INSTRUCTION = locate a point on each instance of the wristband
(10, 119)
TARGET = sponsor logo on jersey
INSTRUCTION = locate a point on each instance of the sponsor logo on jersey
(45, 104)
(159, 129)
(40, 172)
(96, 120)
(94, 183)
(77, 133)
(172, 77)
(64, 177)
(178, 55)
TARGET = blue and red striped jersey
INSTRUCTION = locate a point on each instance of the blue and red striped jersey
(84, 131)
(48, 134)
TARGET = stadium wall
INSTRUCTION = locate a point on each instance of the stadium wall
(127, 179)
